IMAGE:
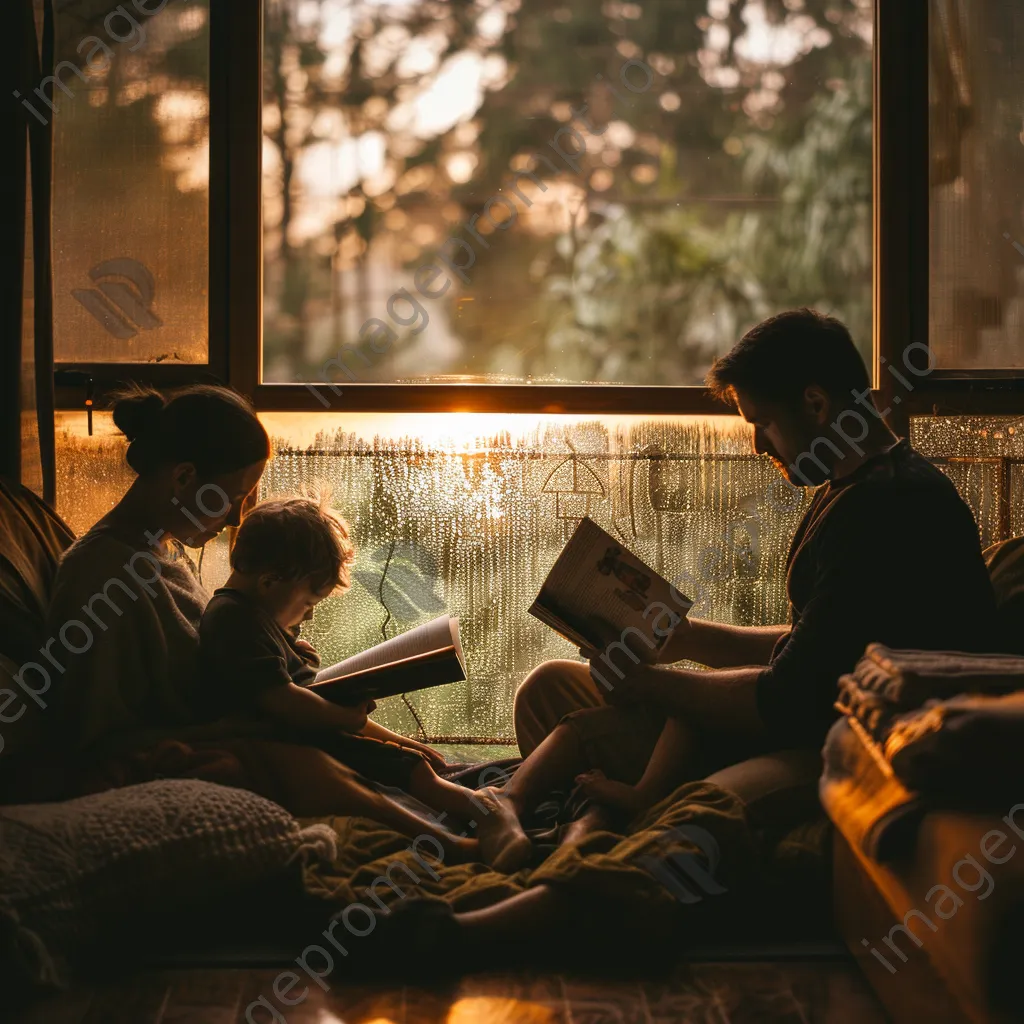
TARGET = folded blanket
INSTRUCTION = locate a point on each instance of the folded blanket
(962, 752)
(874, 713)
(906, 679)
(923, 730)
(887, 683)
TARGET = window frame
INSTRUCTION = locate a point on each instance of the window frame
(900, 287)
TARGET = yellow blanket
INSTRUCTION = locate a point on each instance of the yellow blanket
(693, 846)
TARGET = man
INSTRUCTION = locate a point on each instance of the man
(887, 552)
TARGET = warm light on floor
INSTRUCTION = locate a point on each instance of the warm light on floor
(495, 1010)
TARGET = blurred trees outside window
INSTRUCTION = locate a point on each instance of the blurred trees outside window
(721, 171)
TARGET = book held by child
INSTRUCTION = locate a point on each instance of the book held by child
(429, 655)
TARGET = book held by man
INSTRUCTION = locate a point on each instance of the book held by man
(429, 655)
(597, 591)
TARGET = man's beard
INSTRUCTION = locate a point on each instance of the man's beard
(801, 471)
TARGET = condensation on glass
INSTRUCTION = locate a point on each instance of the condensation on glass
(130, 182)
(977, 196)
(466, 514)
(532, 191)
(31, 455)
(984, 457)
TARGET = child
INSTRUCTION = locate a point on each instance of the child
(289, 554)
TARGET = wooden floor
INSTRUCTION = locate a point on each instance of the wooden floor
(734, 993)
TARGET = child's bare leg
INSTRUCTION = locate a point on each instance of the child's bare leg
(672, 763)
(503, 843)
(554, 763)
(356, 799)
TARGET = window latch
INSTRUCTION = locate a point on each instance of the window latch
(74, 379)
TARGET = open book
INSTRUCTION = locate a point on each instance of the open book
(597, 590)
(429, 655)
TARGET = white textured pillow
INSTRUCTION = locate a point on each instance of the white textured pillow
(69, 872)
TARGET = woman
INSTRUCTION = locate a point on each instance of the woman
(125, 615)
(199, 455)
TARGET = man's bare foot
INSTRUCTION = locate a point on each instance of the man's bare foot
(503, 843)
(618, 795)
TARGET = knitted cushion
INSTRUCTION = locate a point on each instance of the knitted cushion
(76, 874)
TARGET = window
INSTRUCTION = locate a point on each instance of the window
(977, 200)
(558, 192)
(131, 183)
(984, 457)
(416, 216)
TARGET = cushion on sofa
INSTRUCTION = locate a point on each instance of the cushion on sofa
(79, 874)
(32, 540)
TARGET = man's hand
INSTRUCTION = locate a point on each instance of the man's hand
(682, 645)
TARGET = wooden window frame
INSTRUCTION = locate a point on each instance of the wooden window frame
(900, 287)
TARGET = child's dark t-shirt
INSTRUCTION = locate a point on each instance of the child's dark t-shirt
(243, 652)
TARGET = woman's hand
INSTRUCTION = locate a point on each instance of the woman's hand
(307, 652)
(433, 757)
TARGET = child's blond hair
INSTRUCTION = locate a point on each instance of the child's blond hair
(300, 538)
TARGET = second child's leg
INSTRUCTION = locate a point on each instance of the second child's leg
(673, 762)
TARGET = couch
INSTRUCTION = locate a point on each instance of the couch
(957, 952)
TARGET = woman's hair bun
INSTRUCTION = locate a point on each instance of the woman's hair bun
(137, 411)
(212, 427)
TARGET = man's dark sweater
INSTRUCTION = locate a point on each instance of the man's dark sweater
(888, 554)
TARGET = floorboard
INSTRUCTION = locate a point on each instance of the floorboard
(790, 992)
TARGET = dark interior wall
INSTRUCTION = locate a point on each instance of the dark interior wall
(15, 72)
